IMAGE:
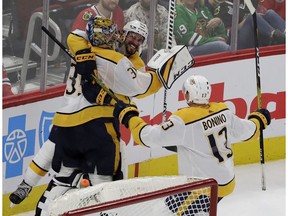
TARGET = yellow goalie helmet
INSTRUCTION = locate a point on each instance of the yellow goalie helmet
(102, 32)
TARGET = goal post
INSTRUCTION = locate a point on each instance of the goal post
(161, 196)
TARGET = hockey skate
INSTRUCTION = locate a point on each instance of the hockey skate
(20, 193)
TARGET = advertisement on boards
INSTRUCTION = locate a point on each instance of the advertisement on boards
(26, 127)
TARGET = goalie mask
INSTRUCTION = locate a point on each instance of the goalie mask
(101, 32)
(198, 88)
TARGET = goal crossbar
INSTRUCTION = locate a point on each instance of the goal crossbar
(153, 195)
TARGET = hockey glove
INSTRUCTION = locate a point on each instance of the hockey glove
(94, 93)
(85, 63)
(124, 112)
(263, 116)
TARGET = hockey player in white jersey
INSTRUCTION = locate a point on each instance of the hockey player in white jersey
(135, 33)
(84, 110)
(202, 132)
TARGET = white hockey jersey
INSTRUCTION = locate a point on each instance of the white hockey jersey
(121, 76)
(202, 135)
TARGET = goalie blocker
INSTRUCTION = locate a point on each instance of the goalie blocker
(171, 64)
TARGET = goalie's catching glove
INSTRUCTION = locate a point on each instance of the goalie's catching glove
(263, 116)
(124, 112)
(85, 63)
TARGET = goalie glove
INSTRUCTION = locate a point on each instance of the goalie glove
(262, 116)
(170, 65)
(124, 112)
(85, 64)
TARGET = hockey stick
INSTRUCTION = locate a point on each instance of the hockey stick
(169, 42)
(261, 141)
(67, 51)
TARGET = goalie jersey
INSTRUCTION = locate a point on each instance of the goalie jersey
(119, 74)
(203, 136)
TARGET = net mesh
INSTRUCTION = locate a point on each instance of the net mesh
(194, 202)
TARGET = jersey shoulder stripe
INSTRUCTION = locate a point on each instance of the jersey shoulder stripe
(193, 114)
(107, 54)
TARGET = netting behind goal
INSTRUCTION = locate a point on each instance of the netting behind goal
(148, 196)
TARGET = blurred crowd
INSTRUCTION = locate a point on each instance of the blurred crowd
(203, 25)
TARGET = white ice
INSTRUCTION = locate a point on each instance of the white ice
(248, 198)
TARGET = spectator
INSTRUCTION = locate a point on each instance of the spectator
(125, 4)
(277, 5)
(271, 26)
(202, 131)
(141, 11)
(104, 8)
(195, 27)
(6, 84)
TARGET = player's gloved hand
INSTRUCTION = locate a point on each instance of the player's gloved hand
(94, 93)
(263, 116)
(85, 63)
(124, 112)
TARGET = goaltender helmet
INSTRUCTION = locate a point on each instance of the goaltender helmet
(101, 32)
(198, 88)
(136, 27)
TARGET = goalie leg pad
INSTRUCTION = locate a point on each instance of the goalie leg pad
(52, 192)
(66, 180)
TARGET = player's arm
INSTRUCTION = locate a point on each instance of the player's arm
(169, 133)
(76, 43)
(153, 87)
(154, 83)
(261, 118)
(247, 129)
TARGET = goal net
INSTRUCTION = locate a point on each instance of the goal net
(145, 196)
